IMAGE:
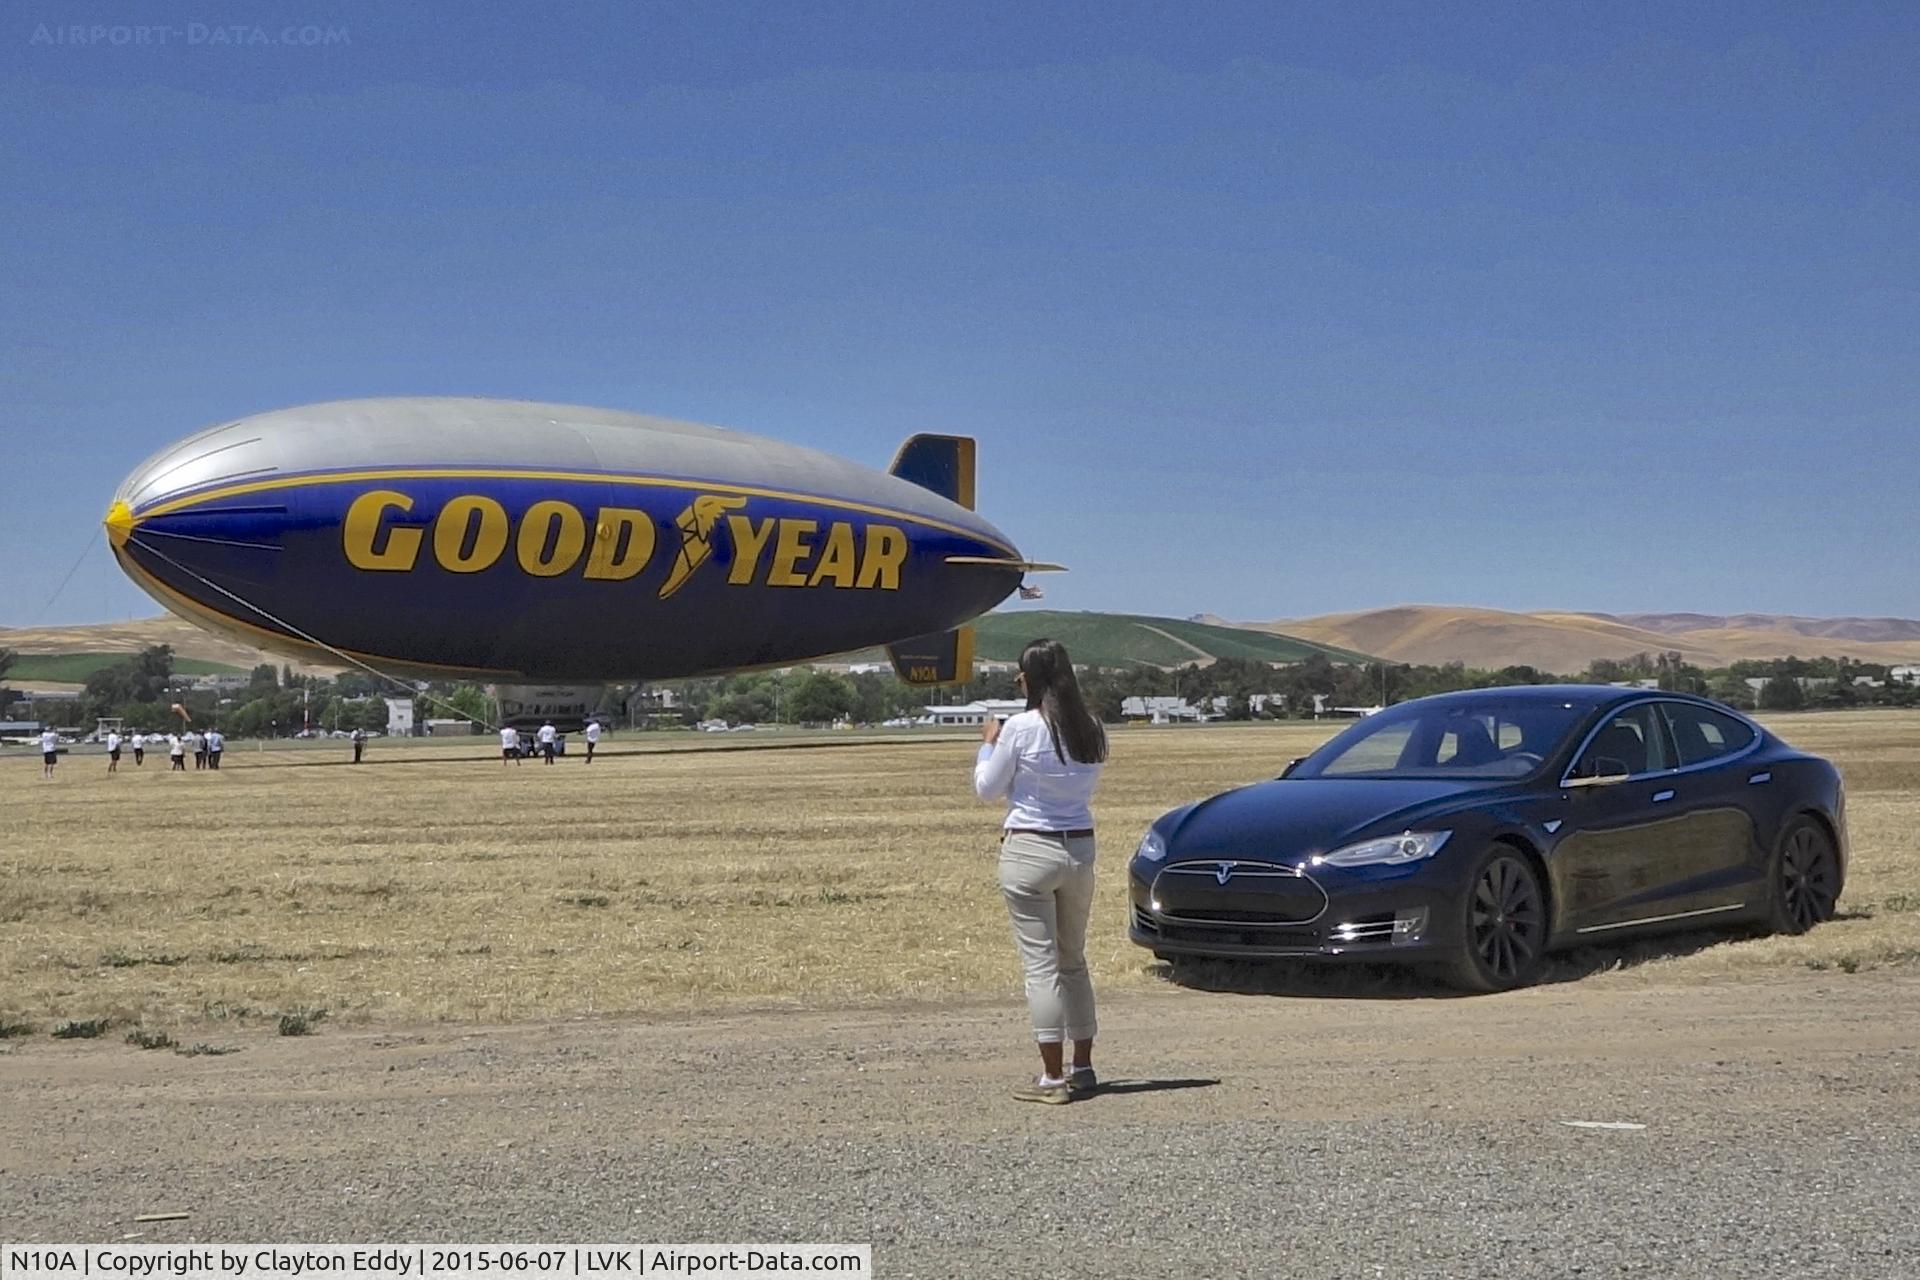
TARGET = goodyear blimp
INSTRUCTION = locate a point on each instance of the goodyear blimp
(514, 541)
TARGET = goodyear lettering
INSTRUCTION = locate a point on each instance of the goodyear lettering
(749, 540)
(471, 534)
(622, 544)
(362, 531)
(836, 563)
(886, 549)
(552, 536)
(788, 551)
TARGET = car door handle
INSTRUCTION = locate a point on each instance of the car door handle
(1659, 796)
(1756, 779)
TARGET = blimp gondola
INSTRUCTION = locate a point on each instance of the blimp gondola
(515, 541)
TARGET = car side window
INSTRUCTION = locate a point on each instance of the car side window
(1631, 742)
(1701, 734)
(1379, 752)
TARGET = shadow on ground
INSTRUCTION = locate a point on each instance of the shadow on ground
(1152, 1086)
(1357, 980)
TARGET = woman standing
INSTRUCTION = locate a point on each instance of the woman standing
(1045, 763)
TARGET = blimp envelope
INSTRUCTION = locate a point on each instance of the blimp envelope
(551, 542)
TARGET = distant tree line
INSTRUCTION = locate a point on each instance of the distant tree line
(142, 688)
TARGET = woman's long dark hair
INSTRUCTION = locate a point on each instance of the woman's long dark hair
(1054, 692)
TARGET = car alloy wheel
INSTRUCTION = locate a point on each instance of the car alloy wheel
(1806, 878)
(1506, 924)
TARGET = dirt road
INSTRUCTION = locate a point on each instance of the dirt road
(1240, 1135)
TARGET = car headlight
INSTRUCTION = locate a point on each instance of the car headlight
(1408, 846)
(1153, 847)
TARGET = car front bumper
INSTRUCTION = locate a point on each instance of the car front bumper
(1281, 913)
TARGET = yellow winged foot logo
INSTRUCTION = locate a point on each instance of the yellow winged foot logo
(696, 525)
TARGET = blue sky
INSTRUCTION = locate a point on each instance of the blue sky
(1261, 310)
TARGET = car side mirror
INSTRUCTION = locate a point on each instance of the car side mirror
(1291, 766)
(1606, 772)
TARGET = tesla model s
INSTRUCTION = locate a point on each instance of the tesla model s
(1478, 831)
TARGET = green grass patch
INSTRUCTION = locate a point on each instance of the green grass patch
(1125, 640)
(129, 960)
(81, 1029)
(141, 1038)
(301, 1022)
(1121, 640)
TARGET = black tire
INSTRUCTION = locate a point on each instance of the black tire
(1502, 934)
(1803, 878)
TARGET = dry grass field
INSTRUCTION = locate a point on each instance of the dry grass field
(435, 883)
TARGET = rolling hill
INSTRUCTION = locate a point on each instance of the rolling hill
(1102, 639)
(1567, 641)
(92, 645)
(1125, 640)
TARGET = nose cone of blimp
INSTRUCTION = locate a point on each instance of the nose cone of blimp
(198, 527)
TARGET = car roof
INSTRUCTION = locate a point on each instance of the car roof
(1584, 695)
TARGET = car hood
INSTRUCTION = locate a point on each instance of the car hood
(1287, 819)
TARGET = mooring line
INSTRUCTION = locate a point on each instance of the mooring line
(84, 553)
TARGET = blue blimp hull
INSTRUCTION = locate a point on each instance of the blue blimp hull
(499, 540)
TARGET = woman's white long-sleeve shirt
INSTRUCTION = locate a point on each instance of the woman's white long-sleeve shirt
(1043, 791)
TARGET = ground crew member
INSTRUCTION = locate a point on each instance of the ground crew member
(216, 743)
(113, 751)
(177, 748)
(199, 745)
(49, 752)
(139, 749)
(509, 744)
(547, 736)
(359, 744)
(593, 737)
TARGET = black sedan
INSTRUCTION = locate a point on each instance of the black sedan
(1478, 831)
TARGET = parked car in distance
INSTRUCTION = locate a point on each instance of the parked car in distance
(1478, 831)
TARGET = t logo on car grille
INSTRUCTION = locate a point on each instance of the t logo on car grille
(1223, 872)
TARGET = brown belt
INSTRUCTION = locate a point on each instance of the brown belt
(1081, 833)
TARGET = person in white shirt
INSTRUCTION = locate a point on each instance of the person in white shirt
(593, 738)
(546, 736)
(1044, 763)
(509, 745)
(216, 743)
(359, 740)
(177, 748)
(49, 752)
(113, 752)
(139, 749)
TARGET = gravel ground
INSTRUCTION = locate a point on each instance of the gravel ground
(1241, 1136)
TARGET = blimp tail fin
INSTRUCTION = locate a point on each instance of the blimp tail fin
(943, 464)
(945, 657)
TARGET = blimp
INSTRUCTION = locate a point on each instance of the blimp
(520, 543)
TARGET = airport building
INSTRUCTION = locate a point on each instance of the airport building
(973, 713)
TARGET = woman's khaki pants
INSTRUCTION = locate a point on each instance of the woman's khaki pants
(1048, 883)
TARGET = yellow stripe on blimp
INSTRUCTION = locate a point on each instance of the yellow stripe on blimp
(577, 477)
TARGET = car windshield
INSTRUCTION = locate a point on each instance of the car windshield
(1489, 739)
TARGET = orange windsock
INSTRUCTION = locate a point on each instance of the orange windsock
(182, 713)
